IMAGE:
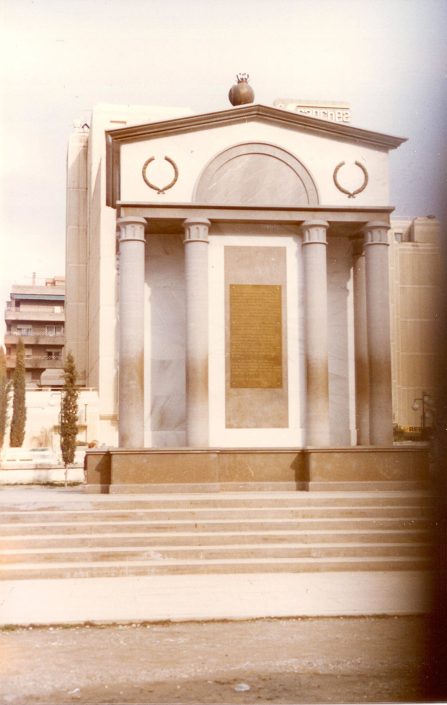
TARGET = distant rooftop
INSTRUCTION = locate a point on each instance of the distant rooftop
(40, 287)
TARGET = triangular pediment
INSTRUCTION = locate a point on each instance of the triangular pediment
(198, 139)
(263, 113)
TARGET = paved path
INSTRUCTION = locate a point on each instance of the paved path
(282, 661)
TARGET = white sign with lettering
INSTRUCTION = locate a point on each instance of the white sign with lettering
(334, 112)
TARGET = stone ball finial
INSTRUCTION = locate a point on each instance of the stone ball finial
(241, 93)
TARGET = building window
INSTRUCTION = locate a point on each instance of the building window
(24, 330)
(53, 354)
(28, 352)
(54, 330)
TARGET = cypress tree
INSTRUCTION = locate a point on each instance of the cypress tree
(5, 388)
(69, 413)
(17, 431)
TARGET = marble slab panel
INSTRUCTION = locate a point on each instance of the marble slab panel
(255, 407)
(256, 174)
(165, 341)
(169, 439)
(270, 239)
(257, 179)
(166, 260)
(167, 376)
(167, 324)
(168, 413)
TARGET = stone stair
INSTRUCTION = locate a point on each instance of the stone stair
(216, 533)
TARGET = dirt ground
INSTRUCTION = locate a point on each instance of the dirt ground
(266, 661)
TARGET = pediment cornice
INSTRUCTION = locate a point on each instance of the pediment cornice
(255, 112)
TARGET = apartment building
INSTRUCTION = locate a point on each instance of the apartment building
(415, 274)
(35, 313)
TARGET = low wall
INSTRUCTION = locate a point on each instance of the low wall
(226, 468)
(41, 476)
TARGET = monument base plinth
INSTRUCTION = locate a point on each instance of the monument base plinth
(236, 469)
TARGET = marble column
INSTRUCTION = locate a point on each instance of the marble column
(131, 332)
(196, 281)
(378, 333)
(360, 345)
(316, 332)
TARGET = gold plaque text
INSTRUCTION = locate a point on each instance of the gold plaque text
(255, 336)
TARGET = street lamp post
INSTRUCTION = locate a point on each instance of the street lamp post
(85, 421)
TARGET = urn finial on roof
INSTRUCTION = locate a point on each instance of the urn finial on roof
(241, 93)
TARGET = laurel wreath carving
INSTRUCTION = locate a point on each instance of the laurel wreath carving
(163, 189)
(351, 194)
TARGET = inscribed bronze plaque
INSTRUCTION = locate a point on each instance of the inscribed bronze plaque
(255, 336)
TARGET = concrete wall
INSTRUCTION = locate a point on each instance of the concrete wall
(42, 419)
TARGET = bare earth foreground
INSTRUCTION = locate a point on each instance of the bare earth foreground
(308, 660)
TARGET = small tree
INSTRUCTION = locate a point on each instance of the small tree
(17, 431)
(69, 413)
(5, 389)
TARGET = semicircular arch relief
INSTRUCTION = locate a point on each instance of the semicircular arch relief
(256, 174)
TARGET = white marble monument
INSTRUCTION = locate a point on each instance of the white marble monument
(234, 313)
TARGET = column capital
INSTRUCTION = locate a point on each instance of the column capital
(376, 233)
(314, 232)
(196, 229)
(132, 228)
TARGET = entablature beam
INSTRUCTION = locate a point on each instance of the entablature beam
(170, 217)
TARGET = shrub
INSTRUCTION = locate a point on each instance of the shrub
(18, 421)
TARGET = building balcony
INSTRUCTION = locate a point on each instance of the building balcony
(43, 316)
(35, 339)
(36, 363)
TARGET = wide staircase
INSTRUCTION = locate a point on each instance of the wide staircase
(69, 557)
(97, 536)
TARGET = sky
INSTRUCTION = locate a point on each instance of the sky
(59, 58)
